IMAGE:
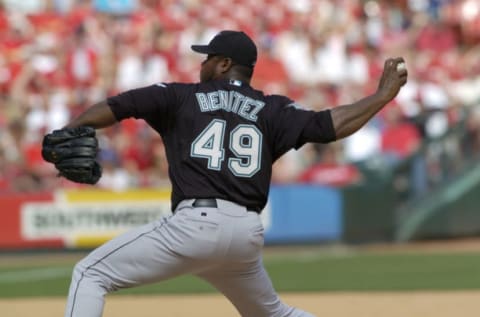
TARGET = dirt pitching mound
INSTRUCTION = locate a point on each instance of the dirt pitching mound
(412, 304)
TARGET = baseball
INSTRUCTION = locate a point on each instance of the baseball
(401, 66)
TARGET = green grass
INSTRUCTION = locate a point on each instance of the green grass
(380, 272)
(292, 272)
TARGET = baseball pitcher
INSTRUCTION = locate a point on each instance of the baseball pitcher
(221, 138)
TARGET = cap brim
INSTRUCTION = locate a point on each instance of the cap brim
(203, 49)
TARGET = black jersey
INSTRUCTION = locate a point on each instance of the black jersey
(222, 137)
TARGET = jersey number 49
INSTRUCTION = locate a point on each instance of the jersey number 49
(245, 142)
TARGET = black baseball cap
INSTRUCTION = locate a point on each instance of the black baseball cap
(234, 44)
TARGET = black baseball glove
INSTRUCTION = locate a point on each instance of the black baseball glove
(74, 152)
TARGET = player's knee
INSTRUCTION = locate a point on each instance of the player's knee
(92, 277)
(78, 270)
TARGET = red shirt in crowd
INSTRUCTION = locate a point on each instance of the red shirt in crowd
(330, 174)
(269, 73)
(400, 139)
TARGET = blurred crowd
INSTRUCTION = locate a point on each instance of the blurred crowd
(59, 57)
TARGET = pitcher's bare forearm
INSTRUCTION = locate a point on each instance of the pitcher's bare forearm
(347, 119)
(97, 116)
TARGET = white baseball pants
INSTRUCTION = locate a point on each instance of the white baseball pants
(220, 245)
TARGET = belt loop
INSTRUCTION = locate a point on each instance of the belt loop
(205, 202)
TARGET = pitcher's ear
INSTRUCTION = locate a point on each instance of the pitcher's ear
(225, 64)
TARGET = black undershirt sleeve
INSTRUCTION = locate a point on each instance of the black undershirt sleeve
(144, 103)
(319, 129)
